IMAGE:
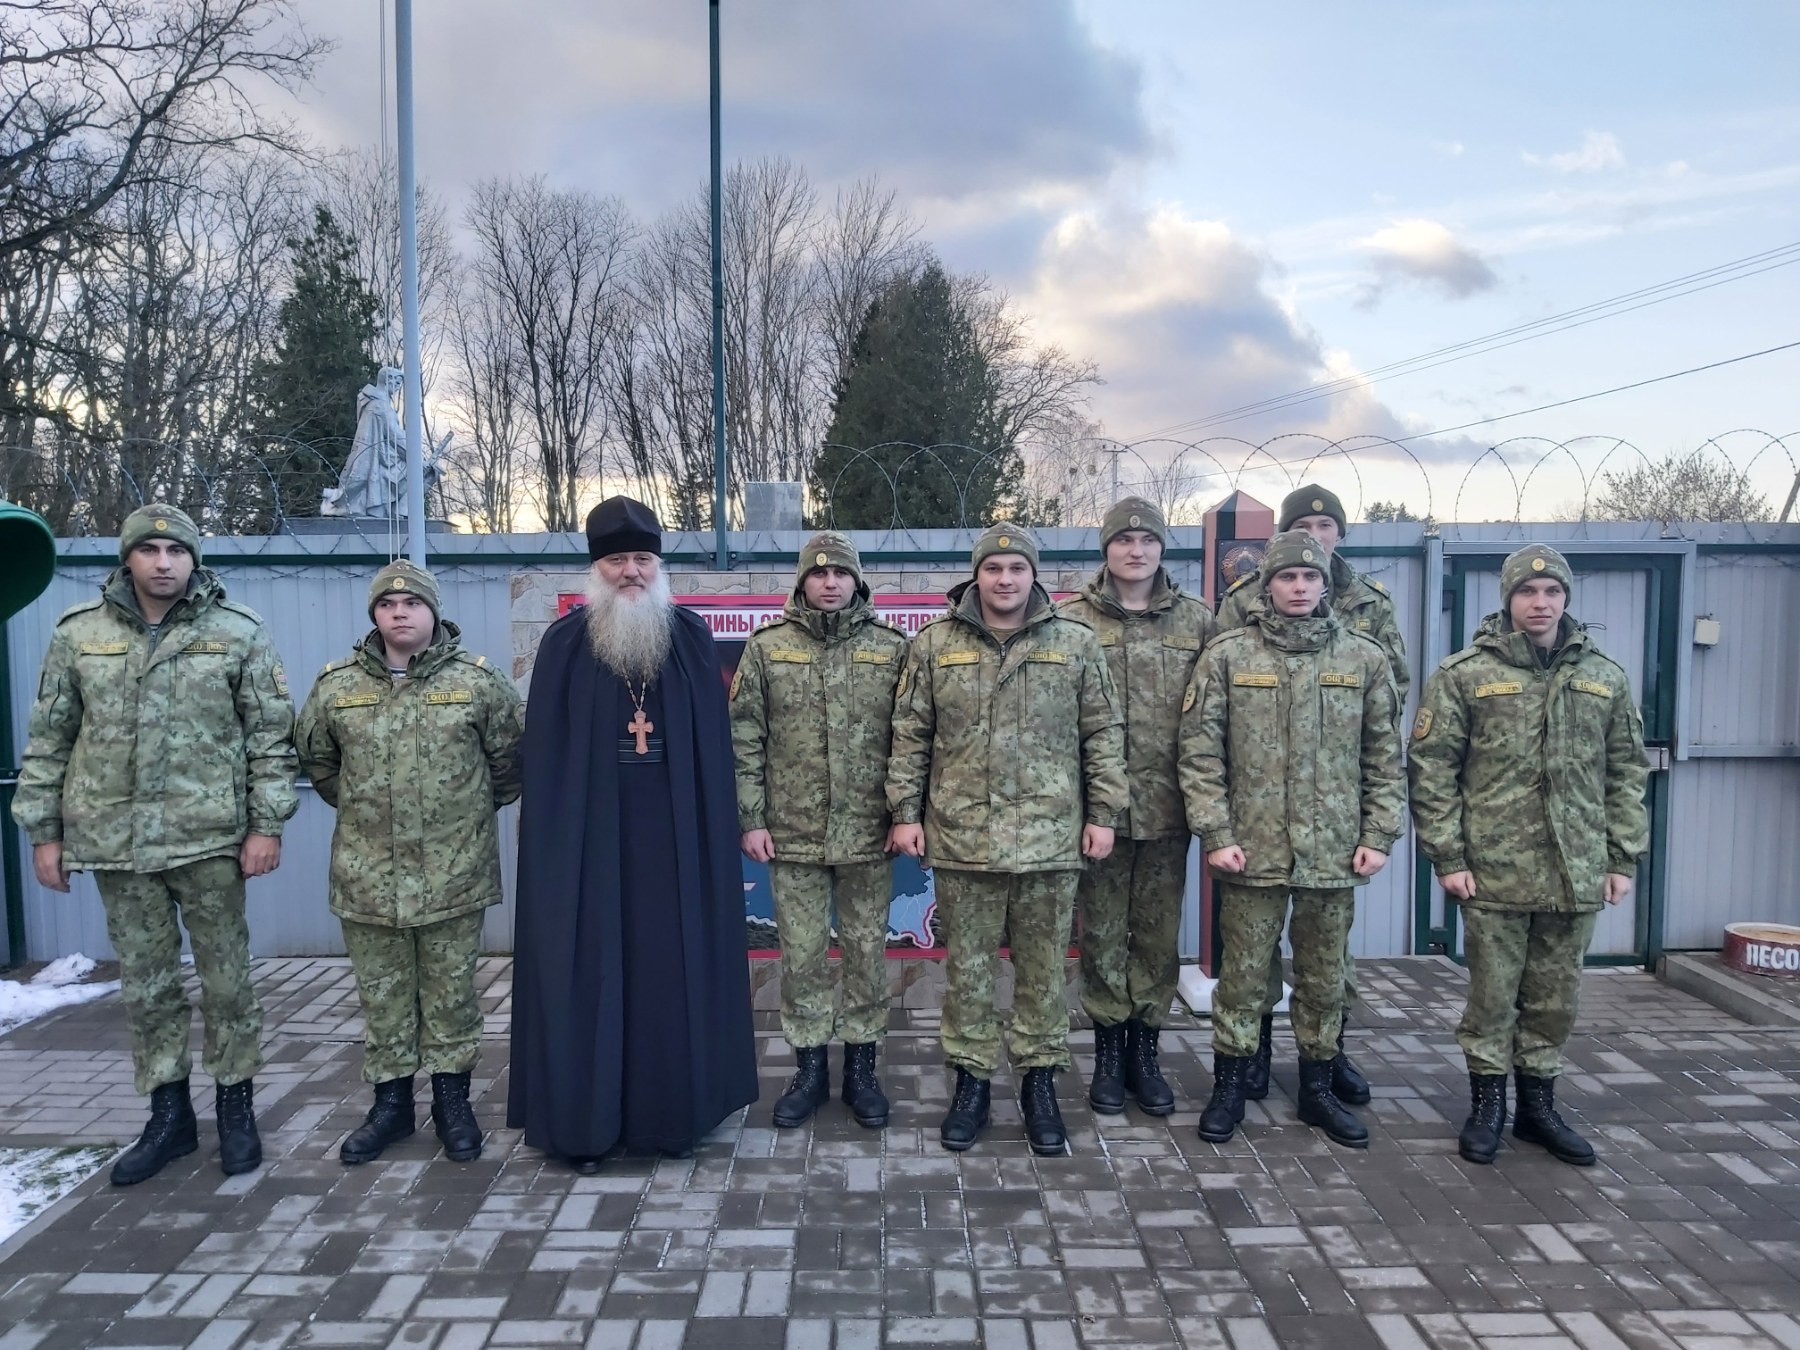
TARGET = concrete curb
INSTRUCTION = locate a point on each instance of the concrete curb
(1705, 977)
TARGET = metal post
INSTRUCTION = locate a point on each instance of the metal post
(721, 544)
(409, 284)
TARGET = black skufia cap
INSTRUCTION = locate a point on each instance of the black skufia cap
(622, 525)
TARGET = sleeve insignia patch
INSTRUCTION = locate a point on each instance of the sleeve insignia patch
(1422, 724)
(281, 685)
(1255, 680)
(450, 696)
(1498, 687)
(356, 700)
(737, 681)
(1187, 699)
(905, 682)
(1338, 680)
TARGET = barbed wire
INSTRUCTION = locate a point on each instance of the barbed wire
(233, 488)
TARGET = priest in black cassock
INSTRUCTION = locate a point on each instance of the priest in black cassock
(631, 995)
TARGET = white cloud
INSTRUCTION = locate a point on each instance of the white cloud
(1598, 151)
(1424, 251)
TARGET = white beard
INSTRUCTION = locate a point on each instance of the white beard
(630, 635)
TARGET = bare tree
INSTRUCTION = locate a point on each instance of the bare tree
(1693, 485)
(554, 262)
(865, 243)
(1037, 386)
(486, 461)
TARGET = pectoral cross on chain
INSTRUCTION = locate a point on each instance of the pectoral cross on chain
(641, 727)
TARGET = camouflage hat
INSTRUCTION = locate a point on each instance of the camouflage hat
(159, 520)
(1004, 537)
(1534, 560)
(828, 548)
(1133, 513)
(1295, 548)
(1309, 499)
(401, 577)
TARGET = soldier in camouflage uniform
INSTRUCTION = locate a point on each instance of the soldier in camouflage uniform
(1362, 605)
(1008, 770)
(1528, 775)
(415, 742)
(161, 759)
(1290, 764)
(1130, 904)
(812, 706)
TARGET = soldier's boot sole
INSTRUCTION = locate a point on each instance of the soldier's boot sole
(131, 1169)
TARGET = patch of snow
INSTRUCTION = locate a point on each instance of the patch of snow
(53, 988)
(33, 1179)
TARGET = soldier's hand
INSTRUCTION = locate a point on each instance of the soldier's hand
(47, 862)
(1096, 842)
(1459, 884)
(1368, 861)
(907, 839)
(757, 845)
(260, 855)
(1618, 886)
(1227, 859)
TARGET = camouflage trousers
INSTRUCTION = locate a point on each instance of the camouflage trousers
(1272, 994)
(142, 926)
(1130, 905)
(1524, 988)
(1034, 910)
(810, 1007)
(1251, 919)
(417, 987)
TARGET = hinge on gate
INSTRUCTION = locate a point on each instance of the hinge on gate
(1658, 755)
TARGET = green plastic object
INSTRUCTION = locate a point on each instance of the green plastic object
(27, 558)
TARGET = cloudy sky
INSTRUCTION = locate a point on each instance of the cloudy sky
(1222, 204)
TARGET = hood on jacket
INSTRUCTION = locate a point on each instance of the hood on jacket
(965, 604)
(446, 640)
(1100, 591)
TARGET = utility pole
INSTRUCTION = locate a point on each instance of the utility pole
(409, 284)
(721, 544)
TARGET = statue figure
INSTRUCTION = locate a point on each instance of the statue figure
(373, 482)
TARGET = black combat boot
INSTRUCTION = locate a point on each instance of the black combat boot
(1143, 1075)
(1043, 1118)
(807, 1090)
(1347, 1082)
(1256, 1077)
(1536, 1122)
(1319, 1107)
(1480, 1137)
(389, 1121)
(862, 1089)
(454, 1117)
(1225, 1110)
(968, 1114)
(1106, 1090)
(171, 1133)
(240, 1147)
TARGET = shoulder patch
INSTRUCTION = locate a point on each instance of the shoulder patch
(1187, 699)
(1422, 724)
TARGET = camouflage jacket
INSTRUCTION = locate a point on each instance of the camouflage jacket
(145, 757)
(1150, 655)
(1362, 604)
(1004, 750)
(1531, 778)
(416, 769)
(1290, 750)
(812, 708)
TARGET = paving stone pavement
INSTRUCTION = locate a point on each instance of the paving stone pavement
(832, 1238)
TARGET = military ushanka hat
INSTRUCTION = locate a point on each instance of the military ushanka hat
(828, 548)
(1004, 537)
(1534, 560)
(1133, 513)
(1309, 499)
(402, 577)
(1295, 548)
(159, 520)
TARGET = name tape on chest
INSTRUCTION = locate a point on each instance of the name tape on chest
(1592, 687)
(1340, 680)
(790, 656)
(118, 648)
(208, 648)
(1048, 658)
(1251, 679)
(450, 696)
(866, 657)
(356, 700)
(1182, 644)
(1498, 688)
(1109, 639)
(959, 659)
